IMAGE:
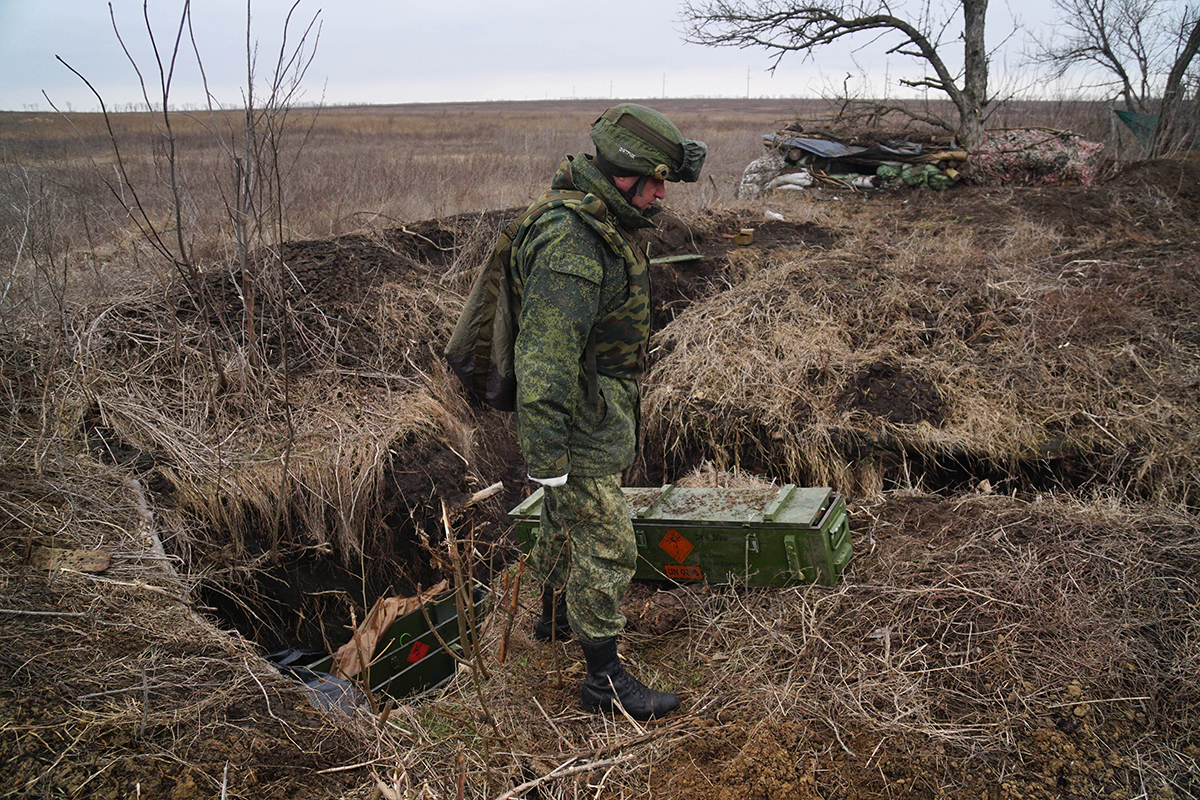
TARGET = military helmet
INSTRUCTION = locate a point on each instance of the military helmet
(636, 140)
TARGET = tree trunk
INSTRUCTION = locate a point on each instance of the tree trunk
(1164, 133)
(975, 75)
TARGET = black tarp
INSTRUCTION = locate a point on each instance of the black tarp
(872, 156)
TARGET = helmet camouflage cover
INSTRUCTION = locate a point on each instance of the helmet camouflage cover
(636, 140)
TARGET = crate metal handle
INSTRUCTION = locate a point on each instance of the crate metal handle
(773, 507)
(650, 509)
(793, 557)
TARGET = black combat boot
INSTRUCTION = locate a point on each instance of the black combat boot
(553, 624)
(607, 684)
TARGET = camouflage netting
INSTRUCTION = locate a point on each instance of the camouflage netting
(1018, 157)
(1035, 158)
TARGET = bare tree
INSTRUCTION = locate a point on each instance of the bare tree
(1138, 50)
(1115, 36)
(256, 206)
(1167, 134)
(252, 184)
(784, 27)
(158, 108)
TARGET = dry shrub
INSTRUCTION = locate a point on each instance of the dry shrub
(921, 345)
(267, 458)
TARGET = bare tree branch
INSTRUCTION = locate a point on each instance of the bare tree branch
(1124, 39)
(1142, 50)
(789, 27)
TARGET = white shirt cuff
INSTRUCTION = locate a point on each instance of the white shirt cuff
(559, 481)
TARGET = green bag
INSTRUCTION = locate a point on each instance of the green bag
(480, 351)
(919, 175)
(889, 172)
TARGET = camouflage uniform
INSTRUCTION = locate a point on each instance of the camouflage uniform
(582, 272)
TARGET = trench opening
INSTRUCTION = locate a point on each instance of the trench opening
(894, 465)
(311, 598)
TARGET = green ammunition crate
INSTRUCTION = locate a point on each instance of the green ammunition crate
(759, 537)
(409, 658)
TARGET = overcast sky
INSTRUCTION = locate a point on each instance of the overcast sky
(400, 51)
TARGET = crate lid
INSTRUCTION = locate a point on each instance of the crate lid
(787, 506)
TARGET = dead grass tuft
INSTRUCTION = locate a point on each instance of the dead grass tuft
(977, 638)
(244, 447)
(919, 345)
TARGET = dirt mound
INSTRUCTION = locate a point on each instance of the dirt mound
(998, 334)
(1138, 202)
(1176, 178)
(890, 393)
(678, 284)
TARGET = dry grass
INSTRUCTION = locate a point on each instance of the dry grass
(344, 169)
(1006, 345)
(343, 166)
(1035, 643)
(260, 454)
(973, 644)
(116, 679)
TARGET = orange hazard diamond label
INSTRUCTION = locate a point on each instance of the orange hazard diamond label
(419, 650)
(676, 546)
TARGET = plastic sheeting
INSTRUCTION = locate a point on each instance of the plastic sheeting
(324, 690)
(861, 154)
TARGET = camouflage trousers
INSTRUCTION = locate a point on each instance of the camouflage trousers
(585, 543)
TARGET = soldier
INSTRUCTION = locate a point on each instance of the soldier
(581, 271)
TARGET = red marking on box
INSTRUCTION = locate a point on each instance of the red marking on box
(419, 650)
(676, 546)
(683, 572)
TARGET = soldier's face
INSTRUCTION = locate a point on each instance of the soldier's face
(653, 190)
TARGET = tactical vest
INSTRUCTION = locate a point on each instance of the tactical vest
(618, 342)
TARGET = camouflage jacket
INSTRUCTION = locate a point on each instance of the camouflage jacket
(577, 270)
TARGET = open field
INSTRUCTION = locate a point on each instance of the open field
(1004, 383)
(353, 168)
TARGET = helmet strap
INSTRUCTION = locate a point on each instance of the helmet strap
(606, 169)
(637, 188)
